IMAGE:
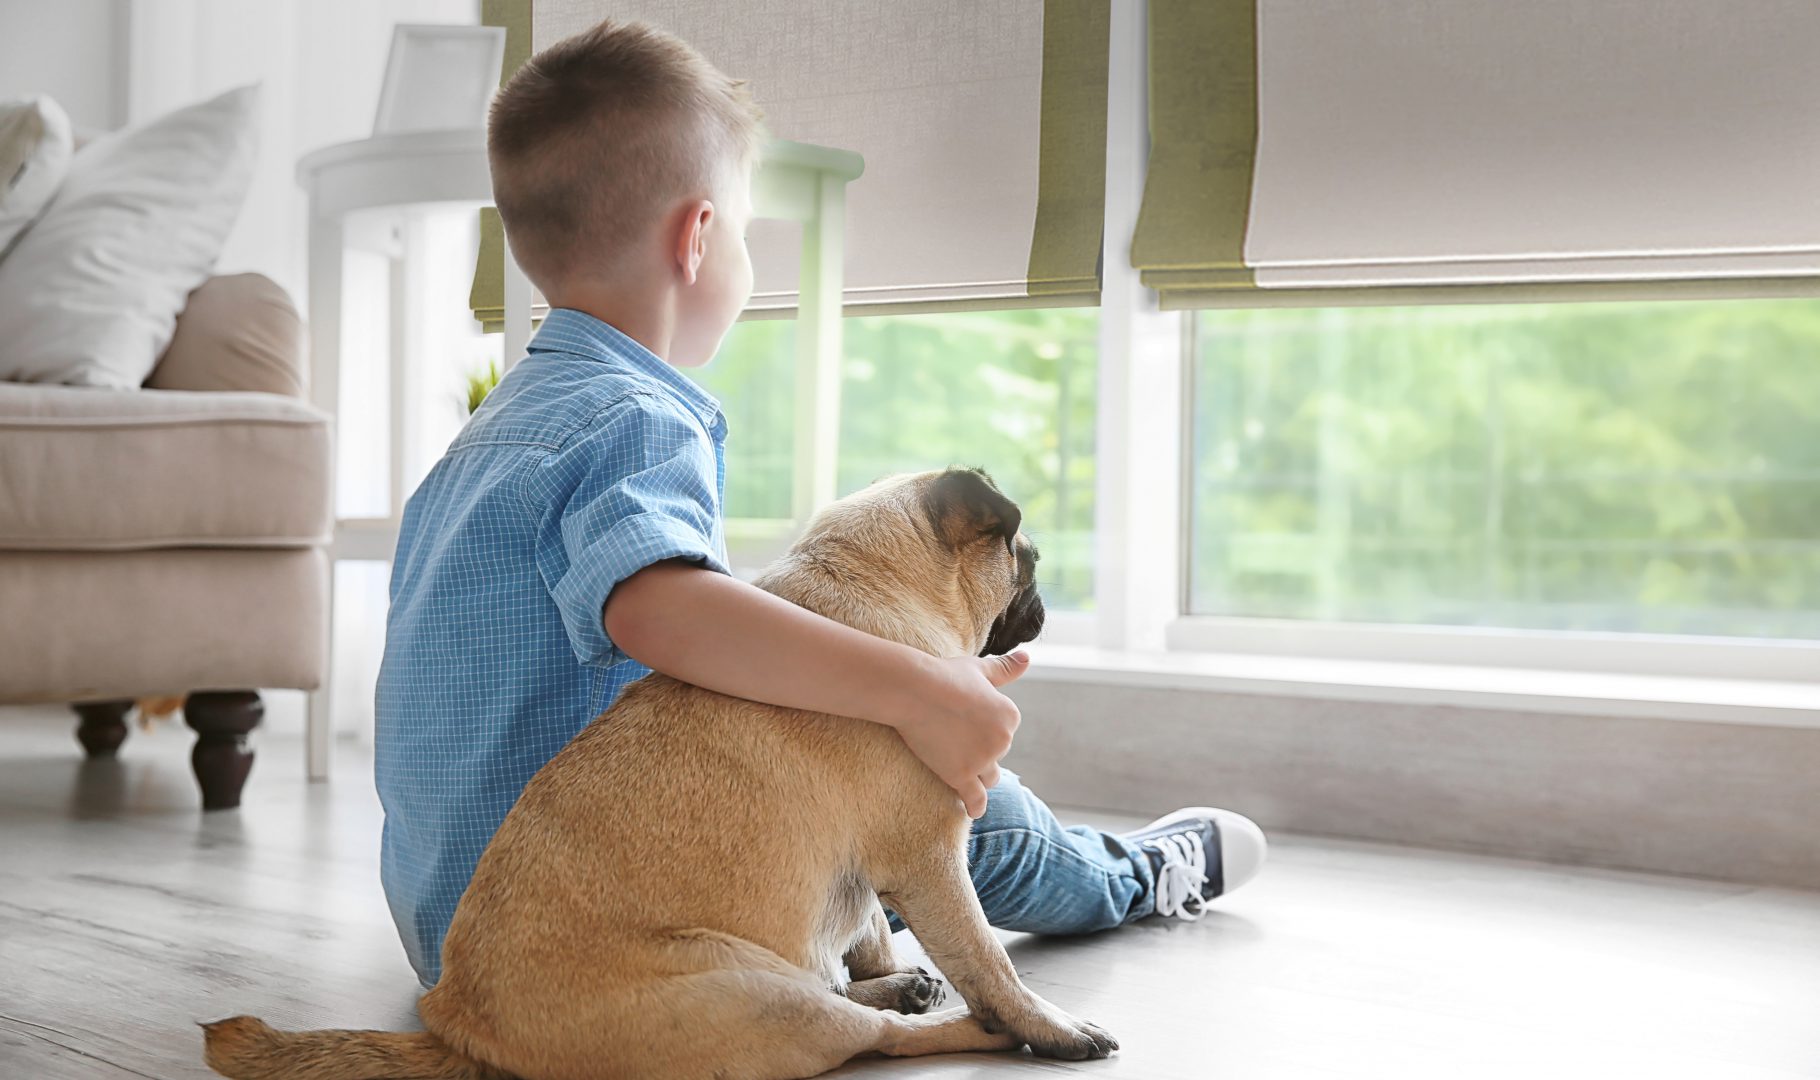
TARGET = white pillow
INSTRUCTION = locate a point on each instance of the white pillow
(35, 149)
(89, 295)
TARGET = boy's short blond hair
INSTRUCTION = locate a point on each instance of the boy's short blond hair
(595, 137)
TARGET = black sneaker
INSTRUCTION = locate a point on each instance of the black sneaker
(1198, 853)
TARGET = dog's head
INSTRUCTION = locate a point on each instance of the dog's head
(934, 560)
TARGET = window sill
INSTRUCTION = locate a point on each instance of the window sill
(1729, 701)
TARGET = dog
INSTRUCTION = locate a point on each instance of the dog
(156, 710)
(693, 886)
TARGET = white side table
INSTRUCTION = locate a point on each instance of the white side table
(368, 195)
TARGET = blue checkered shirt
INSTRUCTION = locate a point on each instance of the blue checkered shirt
(591, 460)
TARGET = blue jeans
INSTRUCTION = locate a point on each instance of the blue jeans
(1035, 876)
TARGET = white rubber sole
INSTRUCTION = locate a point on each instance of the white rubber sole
(1243, 846)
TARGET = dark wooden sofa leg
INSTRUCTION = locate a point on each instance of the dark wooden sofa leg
(101, 726)
(222, 759)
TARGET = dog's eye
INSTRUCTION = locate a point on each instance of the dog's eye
(1026, 563)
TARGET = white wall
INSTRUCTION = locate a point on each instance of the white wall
(110, 63)
(320, 62)
(69, 49)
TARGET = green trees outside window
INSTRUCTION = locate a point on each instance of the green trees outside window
(1630, 467)
(1009, 391)
(1636, 467)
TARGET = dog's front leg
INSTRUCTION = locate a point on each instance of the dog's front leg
(936, 900)
(872, 955)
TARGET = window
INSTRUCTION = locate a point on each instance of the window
(1629, 467)
(752, 376)
(1009, 391)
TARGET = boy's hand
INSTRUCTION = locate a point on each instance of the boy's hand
(723, 634)
(962, 729)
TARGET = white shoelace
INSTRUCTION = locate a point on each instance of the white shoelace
(1182, 877)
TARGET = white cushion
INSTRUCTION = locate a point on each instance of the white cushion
(89, 295)
(35, 149)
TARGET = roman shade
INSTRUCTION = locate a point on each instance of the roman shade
(982, 126)
(1325, 150)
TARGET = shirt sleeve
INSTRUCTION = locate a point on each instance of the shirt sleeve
(636, 487)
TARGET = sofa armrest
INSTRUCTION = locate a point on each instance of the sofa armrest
(239, 332)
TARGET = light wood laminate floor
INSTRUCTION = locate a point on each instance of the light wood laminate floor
(126, 915)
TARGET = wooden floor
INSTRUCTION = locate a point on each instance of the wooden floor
(126, 915)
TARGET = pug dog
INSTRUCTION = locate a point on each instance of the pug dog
(693, 886)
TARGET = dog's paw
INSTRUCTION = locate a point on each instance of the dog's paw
(904, 992)
(921, 992)
(1055, 1034)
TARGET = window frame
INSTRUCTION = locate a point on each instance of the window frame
(1143, 447)
(1657, 655)
(1613, 652)
(1143, 520)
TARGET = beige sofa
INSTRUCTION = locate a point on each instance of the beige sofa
(172, 540)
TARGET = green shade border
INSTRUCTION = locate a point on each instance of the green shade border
(1203, 143)
(515, 16)
(487, 296)
(1071, 161)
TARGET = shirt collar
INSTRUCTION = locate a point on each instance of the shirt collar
(566, 330)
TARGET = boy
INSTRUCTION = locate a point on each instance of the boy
(571, 538)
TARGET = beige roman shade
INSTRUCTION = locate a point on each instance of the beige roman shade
(1328, 149)
(981, 122)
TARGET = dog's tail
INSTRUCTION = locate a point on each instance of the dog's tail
(247, 1049)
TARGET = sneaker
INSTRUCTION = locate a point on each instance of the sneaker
(1198, 853)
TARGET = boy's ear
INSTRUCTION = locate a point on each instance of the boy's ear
(692, 239)
(963, 505)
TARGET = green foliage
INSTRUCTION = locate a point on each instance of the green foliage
(1638, 467)
(1010, 391)
(1648, 467)
(480, 384)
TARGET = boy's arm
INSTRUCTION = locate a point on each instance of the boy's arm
(719, 633)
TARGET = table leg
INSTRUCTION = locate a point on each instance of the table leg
(328, 237)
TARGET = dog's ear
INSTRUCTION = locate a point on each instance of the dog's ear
(963, 506)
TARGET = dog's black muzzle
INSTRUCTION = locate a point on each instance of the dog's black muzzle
(1020, 622)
